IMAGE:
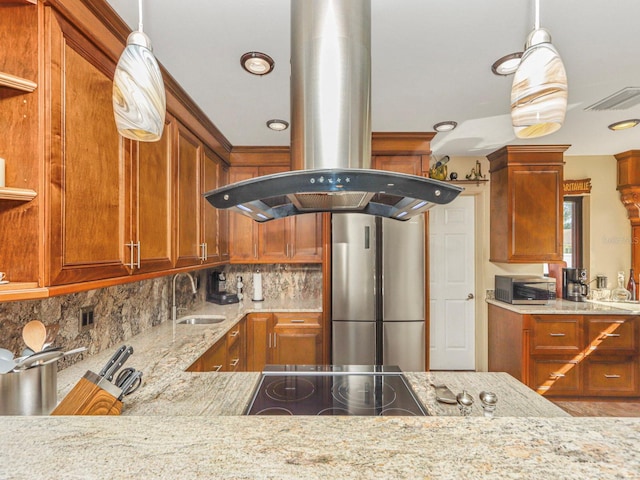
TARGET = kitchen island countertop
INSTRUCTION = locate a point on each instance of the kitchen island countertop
(567, 307)
(186, 425)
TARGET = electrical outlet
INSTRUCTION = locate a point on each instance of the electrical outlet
(87, 318)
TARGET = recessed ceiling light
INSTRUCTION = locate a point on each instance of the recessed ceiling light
(277, 125)
(624, 124)
(257, 63)
(445, 126)
(507, 65)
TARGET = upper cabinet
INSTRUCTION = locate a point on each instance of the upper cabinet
(526, 204)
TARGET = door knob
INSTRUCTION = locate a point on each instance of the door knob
(470, 296)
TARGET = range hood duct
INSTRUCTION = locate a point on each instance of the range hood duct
(331, 129)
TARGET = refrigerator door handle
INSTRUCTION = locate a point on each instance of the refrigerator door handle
(367, 237)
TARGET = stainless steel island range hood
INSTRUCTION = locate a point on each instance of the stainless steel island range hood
(331, 129)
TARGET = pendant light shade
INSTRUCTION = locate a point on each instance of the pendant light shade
(139, 100)
(539, 90)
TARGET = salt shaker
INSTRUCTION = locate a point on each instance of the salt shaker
(239, 287)
(488, 400)
(465, 402)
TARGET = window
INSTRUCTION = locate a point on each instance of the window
(572, 238)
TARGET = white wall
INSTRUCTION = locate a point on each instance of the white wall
(608, 248)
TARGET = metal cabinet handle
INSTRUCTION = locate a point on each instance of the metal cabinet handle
(269, 341)
(234, 362)
(203, 252)
(275, 335)
(611, 376)
(556, 334)
(611, 334)
(138, 245)
(255, 250)
(217, 368)
(131, 263)
(297, 320)
(558, 375)
(234, 333)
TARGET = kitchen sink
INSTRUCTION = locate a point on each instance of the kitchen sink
(201, 319)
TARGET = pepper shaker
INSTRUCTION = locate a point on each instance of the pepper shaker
(488, 400)
(465, 402)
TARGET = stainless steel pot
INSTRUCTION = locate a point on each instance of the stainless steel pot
(33, 391)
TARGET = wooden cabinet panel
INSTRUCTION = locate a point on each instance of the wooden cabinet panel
(555, 376)
(606, 335)
(306, 238)
(526, 203)
(612, 377)
(297, 345)
(223, 219)
(243, 232)
(211, 166)
(151, 199)
(213, 360)
(187, 199)
(86, 217)
(297, 319)
(555, 334)
(259, 326)
(409, 164)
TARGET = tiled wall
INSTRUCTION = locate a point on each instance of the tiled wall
(123, 311)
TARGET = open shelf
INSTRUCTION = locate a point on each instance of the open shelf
(17, 194)
(17, 83)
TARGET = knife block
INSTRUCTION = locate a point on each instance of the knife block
(92, 395)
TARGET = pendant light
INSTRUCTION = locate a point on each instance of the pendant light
(139, 100)
(539, 90)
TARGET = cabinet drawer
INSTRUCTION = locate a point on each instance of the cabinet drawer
(556, 376)
(234, 335)
(555, 335)
(213, 360)
(234, 358)
(298, 319)
(612, 377)
(612, 335)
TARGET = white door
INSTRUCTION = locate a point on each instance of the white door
(452, 285)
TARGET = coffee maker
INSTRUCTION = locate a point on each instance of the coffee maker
(217, 289)
(574, 284)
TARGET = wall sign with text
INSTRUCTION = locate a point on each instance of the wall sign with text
(577, 187)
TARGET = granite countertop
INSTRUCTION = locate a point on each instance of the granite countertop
(567, 307)
(186, 425)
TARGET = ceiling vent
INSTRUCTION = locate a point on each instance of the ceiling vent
(625, 98)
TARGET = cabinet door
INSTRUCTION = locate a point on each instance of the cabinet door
(223, 219)
(87, 171)
(259, 326)
(243, 231)
(152, 203)
(273, 236)
(297, 339)
(213, 360)
(612, 335)
(615, 376)
(210, 180)
(409, 164)
(187, 220)
(556, 334)
(305, 238)
(556, 376)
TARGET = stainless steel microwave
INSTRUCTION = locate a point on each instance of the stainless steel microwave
(525, 289)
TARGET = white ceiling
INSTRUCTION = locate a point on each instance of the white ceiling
(431, 62)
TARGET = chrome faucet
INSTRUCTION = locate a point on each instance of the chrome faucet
(174, 308)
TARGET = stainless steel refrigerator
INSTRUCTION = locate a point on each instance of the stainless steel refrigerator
(378, 291)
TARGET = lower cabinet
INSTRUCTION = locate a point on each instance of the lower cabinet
(283, 339)
(226, 355)
(567, 355)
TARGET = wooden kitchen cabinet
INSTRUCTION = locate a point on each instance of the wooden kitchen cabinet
(526, 223)
(567, 355)
(296, 239)
(227, 355)
(283, 339)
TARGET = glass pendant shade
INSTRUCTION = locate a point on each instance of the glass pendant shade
(539, 90)
(139, 100)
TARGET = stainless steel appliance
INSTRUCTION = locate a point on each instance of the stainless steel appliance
(525, 289)
(217, 289)
(575, 284)
(331, 129)
(334, 390)
(378, 291)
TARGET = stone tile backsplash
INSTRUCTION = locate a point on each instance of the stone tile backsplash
(123, 311)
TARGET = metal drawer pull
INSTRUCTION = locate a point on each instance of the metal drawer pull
(611, 334)
(269, 341)
(234, 362)
(297, 321)
(557, 375)
(217, 368)
(611, 376)
(556, 334)
(274, 340)
(234, 333)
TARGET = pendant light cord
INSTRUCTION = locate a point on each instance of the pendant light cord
(537, 15)
(140, 15)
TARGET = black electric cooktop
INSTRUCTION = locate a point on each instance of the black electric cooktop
(334, 390)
